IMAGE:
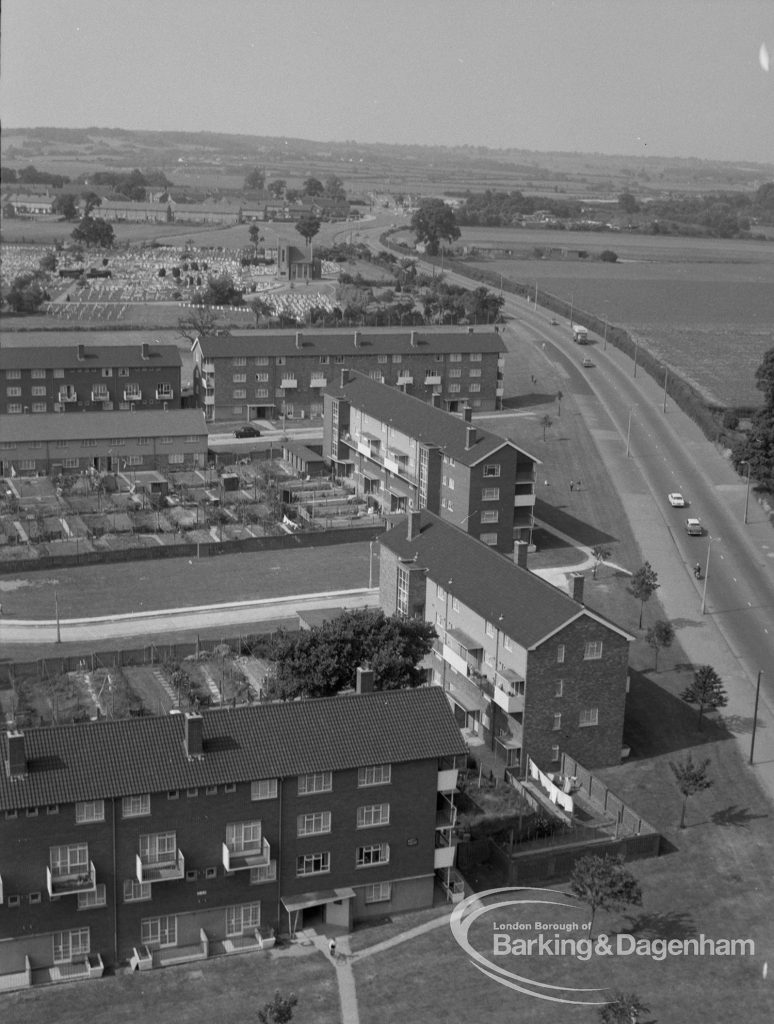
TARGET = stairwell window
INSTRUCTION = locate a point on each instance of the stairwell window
(89, 810)
(560, 651)
(314, 824)
(135, 806)
(593, 650)
(315, 782)
(589, 716)
(557, 722)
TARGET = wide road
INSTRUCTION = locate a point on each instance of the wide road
(671, 454)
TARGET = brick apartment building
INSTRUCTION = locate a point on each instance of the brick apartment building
(158, 840)
(89, 378)
(528, 669)
(403, 453)
(248, 375)
(114, 442)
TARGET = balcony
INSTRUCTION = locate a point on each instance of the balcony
(67, 395)
(318, 381)
(208, 368)
(447, 780)
(132, 394)
(499, 392)
(164, 869)
(289, 382)
(506, 692)
(405, 379)
(444, 857)
(71, 883)
(446, 817)
(164, 393)
(100, 395)
(523, 500)
(432, 379)
(209, 398)
(244, 858)
(396, 462)
(369, 449)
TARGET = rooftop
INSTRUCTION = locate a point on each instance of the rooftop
(95, 356)
(75, 426)
(106, 759)
(355, 342)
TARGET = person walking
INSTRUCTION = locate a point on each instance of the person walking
(332, 948)
(572, 486)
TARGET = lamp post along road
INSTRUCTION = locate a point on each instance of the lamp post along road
(747, 495)
(629, 432)
(706, 577)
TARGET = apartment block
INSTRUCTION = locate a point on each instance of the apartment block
(161, 840)
(528, 669)
(402, 453)
(89, 378)
(114, 442)
(249, 375)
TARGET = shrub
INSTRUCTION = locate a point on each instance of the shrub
(608, 256)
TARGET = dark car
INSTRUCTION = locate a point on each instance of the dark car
(248, 430)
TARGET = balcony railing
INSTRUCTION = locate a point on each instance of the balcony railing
(68, 395)
(405, 378)
(446, 817)
(242, 859)
(164, 394)
(433, 378)
(289, 382)
(444, 856)
(208, 367)
(71, 883)
(447, 780)
(100, 395)
(164, 869)
(318, 381)
(132, 395)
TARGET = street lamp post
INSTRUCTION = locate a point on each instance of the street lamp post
(706, 577)
(636, 351)
(629, 432)
(58, 629)
(755, 714)
(666, 378)
(370, 564)
(747, 494)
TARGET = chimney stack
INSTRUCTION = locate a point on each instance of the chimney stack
(520, 551)
(194, 735)
(412, 525)
(145, 354)
(577, 586)
(299, 336)
(365, 680)
(16, 765)
(470, 437)
(467, 414)
(81, 353)
(357, 339)
(435, 400)
(413, 339)
(345, 378)
(470, 330)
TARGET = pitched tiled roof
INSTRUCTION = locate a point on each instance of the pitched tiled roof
(531, 608)
(66, 356)
(77, 426)
(420, 420)
(252, 343)
(107, 759)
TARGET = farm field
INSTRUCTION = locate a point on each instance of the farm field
(706, 307)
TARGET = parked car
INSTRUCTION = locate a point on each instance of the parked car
(587, 363)
(554, 322)
(248, 430)
(694, 527)
(676, 500)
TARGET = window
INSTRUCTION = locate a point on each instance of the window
(557, 721)
(87, 900)
(38, 392)
(455, 604)
(261, 360)
(14, 901)
(159, 931)
(210, 872)
(397, 357)
(402, 601)
(123, 371)
(474, 388)
(135, 806)
(239, 393)
(173, 794)
(264, 873)
(474, 373)
(261, 392)
(449, 505)
(589, 716)
(35, 897)
(324, 360)
(166, 439)
(507, 643)
(107, 371)
(376, 375)
(265, 789)
(242, 918)
(38, 374)
(490, 516)
(192, 792)
(455, 357)
(230, 787)
(239, 361)
(559, 688)
(244, 837)
(313, 864)
(374, 775)
(9, 815)
(338, 359)
(52, 809)
(211, 790)
(32, 812)
(475, 357)
(455, 373)
(560, 650)
(116, 442)
(70, 463)
(61, 444)
(262, 378)
(159, 848)
(176, 459)
(455, 388)
(69, 860)
(237, 410)
(380, 892)
(490, 494)
(368, 856)
(593, 650)
(13, 392)
(13, 374)
(239, 378)
(555, 753)
(59, 374)
(451, 483)
(492, 469)
(316, 782)
(89, 810)
(490, 630)
(68, 945)
(313, 824)
(372, 815)
(39, 407)
(440, 593)
(14, 407)
(143, 440)
(382, 357)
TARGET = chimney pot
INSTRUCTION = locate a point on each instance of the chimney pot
(413, 339)
(412, 525)
(577, 586)
(470, 437)
(520, 551)
(435, 400)
(467, 414)
(364, 680)
(470, 330)
(145, 350)
(17, 760)
(194, 735)
(345, 377)
(299, 336)
(357, 338)
(81, 352)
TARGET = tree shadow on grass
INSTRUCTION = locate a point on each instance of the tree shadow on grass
(671, 925)
(579, 531)
(742, 723)
(735, 817)
(658, 723)
(527, 401)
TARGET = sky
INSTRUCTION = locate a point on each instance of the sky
(685, 78)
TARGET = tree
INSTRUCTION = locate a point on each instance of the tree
(757, 449)
(601, 554)
(27, 292)
(604, 883)
(94, 231)
(255, 180)
(65, 206)
(706, 690)
(221, 291)
(624, 1008)
(545, 423)
(261, 308)
(559, 397)
(197, 323)
(321, 661)
(90, 201)
(279, 1010)
(255, 234)
(608, 256)
(691, 779)
(312, 187)
(661, 634)
(643, 584)
(334, 188)
(277, 187)
(308, 227)
(433, 221)
(47, 262)
(628, 203)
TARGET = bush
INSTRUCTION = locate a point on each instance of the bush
(730, 419)
(608, 256)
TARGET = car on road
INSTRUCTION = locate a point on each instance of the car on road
(248, 430)
(587, 363)
(676, 500)
(693, 527)
(554, 322)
